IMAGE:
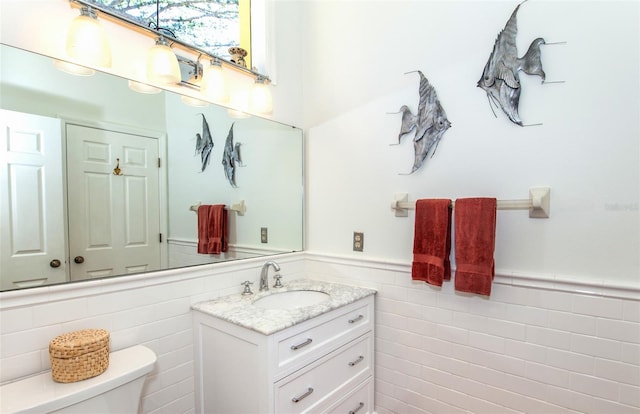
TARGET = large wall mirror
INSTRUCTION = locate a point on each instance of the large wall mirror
(99, 181)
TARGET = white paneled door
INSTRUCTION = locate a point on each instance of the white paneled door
(113, 202)
(32, 242)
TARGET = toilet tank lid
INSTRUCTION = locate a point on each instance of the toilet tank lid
(41, 393)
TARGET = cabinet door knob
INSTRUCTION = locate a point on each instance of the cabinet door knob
(78, 259)
(55, 263)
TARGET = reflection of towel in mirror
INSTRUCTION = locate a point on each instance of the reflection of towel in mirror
(213, 229)
(432, 241)
(475, 226)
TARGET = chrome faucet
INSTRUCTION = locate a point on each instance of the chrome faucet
(264, 277)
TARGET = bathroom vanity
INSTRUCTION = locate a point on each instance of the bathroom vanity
(283, 356)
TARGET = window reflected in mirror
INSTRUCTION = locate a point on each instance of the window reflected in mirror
(210, 25)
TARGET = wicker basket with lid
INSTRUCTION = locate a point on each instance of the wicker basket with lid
(79, 355)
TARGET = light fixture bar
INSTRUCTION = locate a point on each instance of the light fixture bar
(157, 33)
(195, 66)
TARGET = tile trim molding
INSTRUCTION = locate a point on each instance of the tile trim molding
(560, 283)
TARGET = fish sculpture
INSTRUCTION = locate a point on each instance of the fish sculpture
(204, 144)
(430, 123)
(500, 78)
(408, 122)
(231, 157)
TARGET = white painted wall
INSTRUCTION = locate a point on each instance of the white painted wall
(587, 149)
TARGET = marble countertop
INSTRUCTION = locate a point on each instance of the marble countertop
(238, 308)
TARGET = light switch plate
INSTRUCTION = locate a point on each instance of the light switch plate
(264, 235)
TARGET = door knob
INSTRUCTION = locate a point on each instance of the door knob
(78, 259)
(55, 263)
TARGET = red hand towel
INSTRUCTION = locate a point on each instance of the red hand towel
(218, 229)
(432, 241)
(203, 229)
(475, 226)
(213, 229)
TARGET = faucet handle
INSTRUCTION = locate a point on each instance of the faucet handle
(247, 288)
(277, 277)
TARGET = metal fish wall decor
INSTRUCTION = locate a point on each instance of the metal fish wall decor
(230, 157)
(408, 122)
(500, 78)
(430, 123)
(204, 144)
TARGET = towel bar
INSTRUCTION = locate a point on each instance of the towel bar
(538, 203)
(238, 207)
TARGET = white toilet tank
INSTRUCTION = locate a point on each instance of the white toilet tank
(117, 390)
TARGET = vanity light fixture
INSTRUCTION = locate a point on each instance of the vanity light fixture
(261, 100)
(195, 81)
(162, 66)
(214, 82)
(87, 43)
(162, 63)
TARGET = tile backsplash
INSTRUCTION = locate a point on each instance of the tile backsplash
(535, 345)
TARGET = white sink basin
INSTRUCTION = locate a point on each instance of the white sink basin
(291, 299)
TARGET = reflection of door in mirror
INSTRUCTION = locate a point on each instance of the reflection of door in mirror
(32, 239)
(113, 193)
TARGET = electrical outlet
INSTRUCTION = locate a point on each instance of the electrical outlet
(358, 241)
(264, 236)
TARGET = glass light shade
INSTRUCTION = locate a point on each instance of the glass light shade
(239, 103)
(87, 42)
(73, 69)
(162, 63)
(140, 85)
(198, 103)
(214, 83)
(143, 88)
(261, 101)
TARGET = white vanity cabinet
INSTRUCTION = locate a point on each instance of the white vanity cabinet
(321, 365)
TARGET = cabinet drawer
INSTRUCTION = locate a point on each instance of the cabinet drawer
(326, 378)
(300, 347)
(358, 401)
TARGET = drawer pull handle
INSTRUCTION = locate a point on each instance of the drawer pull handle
(301, 345)
(357, 361)
(303, 396)
(355, 410)
(356, 319)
